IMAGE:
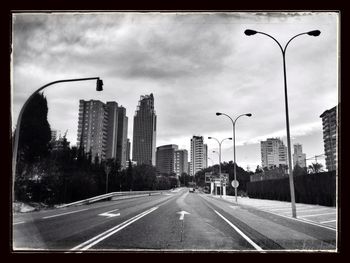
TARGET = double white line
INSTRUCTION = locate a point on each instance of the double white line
(93, 241)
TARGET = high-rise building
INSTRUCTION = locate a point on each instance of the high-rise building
(144, 133)
(181, 162)
(112, 129)
(128, 149)
(205, 155)
(53, 135)
(273, 153)
(329, 121)
(165, 159)
(92, 127)
(199, 153)
(122, 138)
(102, 129)
(298, 156)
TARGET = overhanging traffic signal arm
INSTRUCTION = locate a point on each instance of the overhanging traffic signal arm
(99, 85)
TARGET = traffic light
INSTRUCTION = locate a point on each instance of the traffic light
(99, 85)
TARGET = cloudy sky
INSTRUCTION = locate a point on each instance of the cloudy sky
(194, 64)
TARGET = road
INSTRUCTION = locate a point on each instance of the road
(172, 221)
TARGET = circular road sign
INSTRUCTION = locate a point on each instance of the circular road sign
(235, 183)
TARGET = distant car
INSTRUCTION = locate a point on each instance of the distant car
(191, 190)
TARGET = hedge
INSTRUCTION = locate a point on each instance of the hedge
(317, 188)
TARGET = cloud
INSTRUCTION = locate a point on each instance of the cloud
(195, 64)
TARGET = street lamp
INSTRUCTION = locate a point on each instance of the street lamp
(220, 142)
(315, 33)
(99, 85)
(234, 143)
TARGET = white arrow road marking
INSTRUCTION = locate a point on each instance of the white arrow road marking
(182, 214)
(110, 214)
(93, 241)
(234, 206)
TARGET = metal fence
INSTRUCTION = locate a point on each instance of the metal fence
(111, 195)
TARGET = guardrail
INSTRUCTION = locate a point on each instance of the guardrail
(110, 195)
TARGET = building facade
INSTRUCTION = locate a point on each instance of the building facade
(298, 156)
(198, 155)
(165, 159)
(329, 122)
(112, 129)
(144, 133)
(273, 153)
(53, 135)
(181, 162)
(122, 137)
(98, 130)
(128, 150)
(92, 127)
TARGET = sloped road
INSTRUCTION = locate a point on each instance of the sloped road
(169, 222)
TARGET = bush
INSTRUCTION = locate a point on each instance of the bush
(317, 188)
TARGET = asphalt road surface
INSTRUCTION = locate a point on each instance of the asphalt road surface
(168, 222)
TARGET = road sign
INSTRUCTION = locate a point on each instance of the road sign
(208, 177)
(235, 183)
(224, 177)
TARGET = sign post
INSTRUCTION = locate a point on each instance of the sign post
(235, 184)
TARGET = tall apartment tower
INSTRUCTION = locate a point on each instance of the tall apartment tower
(53, 135)
(122, 137)
(181, 162)
(205, 155)
(198, 154)
(128, 149)
(144, 134)
(102, 129)
(112, 129)
(165, 158)
(329, 122)
(92, 127)
(298, 156)
(273, 153)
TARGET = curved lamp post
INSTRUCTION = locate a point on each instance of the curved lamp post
(99, 85)
(234, 143)
(220, 142)
(315, 33)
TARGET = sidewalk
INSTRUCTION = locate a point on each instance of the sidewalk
(324, 216)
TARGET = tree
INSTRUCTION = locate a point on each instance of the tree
(258, 169)
(315, 168)
(184, 179)
(297, 171)
(35, 132)
(144, 177)
(129, 177)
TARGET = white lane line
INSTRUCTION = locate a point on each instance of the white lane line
(46, 217)
(93, 241)
(280, 209)
(271, 207)
(308, 210)
(240, 232)
(303, 220)
(318, 215)
(328, 221)
(17, 223)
